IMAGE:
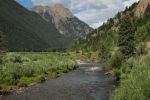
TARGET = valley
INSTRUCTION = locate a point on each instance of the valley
(48, 53)
(30, 30)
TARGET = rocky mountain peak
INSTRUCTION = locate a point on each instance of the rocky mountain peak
(65, 22)
(141, 8)
(57, 11)
(60, 10)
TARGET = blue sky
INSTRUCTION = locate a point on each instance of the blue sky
(25, 3)
(93, 12)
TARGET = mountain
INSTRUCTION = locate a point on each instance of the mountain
(123, 47)
(25, 30)
(67, 24)
(44, 28)
(107, 34)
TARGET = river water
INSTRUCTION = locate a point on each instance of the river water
(88, 82)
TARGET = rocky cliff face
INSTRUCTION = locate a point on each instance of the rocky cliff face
(67, 24)
(57, 11)
(141, 8)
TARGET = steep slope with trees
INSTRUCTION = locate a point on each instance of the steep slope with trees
(123, 46)
(109, 33)
(25, 30)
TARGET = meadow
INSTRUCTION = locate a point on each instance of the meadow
(22, 69)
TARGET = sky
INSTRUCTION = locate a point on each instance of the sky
(92, 12)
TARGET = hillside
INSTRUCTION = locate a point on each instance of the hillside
(123, 46)
(107, 34)
(25, 30)
(67, 24)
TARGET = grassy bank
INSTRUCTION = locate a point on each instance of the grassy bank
(23, 69)
(135, 79)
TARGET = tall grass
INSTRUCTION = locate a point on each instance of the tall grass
(22, 69)
(135, 84)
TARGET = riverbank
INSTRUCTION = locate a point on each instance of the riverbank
(20, 70)
(87, 82)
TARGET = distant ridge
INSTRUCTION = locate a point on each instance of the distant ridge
(67, 24)
(46, 28)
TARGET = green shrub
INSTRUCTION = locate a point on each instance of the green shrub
(116, 60)
(117, 74)
(141, 49)
(11, 73)
(1, 59)
(104, 53)
(42, 78)
(15, 58)
(28, 71)
(89, 54)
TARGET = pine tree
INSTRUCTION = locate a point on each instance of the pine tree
(126, 36)
(147, 12)
(104, 53)
(2, 41)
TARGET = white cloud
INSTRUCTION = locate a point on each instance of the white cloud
(128, 3)
(93, 12)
